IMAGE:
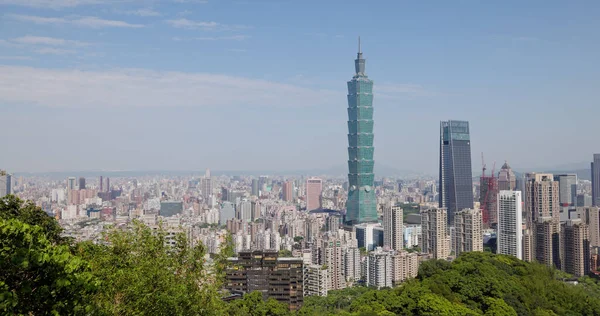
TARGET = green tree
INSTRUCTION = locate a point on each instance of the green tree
(252, 304)
(142, 275)
(38, 277)
(28, 213)
(285, 253)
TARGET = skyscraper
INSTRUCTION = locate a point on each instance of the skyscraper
(314, 187)
(5, 183)
(71, 183)
(567, 189)
(468, 235)
(510, 224)
(456, 178)
(506, 178)
(255, 189)
(393, 236)
(596, 180)
(206, 183)
(379, 269)
(81, 183)
(361, 204)
(546, 243)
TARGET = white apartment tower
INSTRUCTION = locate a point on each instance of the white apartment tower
(434, 233)
(379, 269)
(393, 236)
(510, 224)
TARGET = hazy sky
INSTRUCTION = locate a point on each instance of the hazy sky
(261, 85)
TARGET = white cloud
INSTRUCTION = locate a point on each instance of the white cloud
(144, 12)
(189, 24)
(87, 21)
(53, 3)
(15, 58)
(213, 38)
(50, 41)
(54, 51)
(147, 88)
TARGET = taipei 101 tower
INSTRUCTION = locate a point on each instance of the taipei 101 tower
(361, 203)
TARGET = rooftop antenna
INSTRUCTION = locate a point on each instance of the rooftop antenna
(359, 51)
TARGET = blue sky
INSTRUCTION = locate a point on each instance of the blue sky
(260, 85)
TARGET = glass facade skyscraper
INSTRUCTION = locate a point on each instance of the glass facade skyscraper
(456, 177)
(361, 203)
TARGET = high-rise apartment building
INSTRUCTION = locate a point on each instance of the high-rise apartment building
(591, 217)
(456, 178)
(510, 224)
(255, 189)
(314, 188)
(434, 233)
(393, 236)
(547, 241)
(352, 264)
(107, 184)
(288, 191)
(361, 204)
(596, 180)
(405, 265)
(379, 269)
(506, 178)
(541, 197)
(567, 189)
(332, 256)
(575, 247)
(315, 280)
(468, 235)
(101, 184)
(528, 245)
(5, 183)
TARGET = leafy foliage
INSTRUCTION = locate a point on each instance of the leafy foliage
(28, 213)
(38, 277)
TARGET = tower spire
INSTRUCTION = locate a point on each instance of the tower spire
(359, 51)
(359, 63)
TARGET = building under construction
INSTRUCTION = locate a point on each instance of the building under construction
(488, 196)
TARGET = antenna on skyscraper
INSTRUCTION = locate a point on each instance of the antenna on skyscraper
(359, 51)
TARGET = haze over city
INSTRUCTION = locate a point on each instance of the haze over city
(261, 85)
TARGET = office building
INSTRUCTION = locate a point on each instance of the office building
(456, 178)
(315, 280)
(107, 184)
(263, 271)
(379, 269)
(81, 183)
(591, 217)
(314, 189)
(71, 184)
(170, 208)
(507, 180)
(541, 197)
(101, 183)
(575, 247)
(596, 180)
(510, 224)
(434, 233)
(584, 200)
(288, 191)
(567, 189)
(5, 183)
(393, 237)
(468, 235)
(255, 189)
(547, 241)
(361, 206)
(367, 235)
(243, 210)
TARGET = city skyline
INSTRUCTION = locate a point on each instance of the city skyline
(140, 65)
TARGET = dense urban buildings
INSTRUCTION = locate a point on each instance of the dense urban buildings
(510, 224)
(362, 203)
(541, 197)
(596, 180)
(456, 179)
